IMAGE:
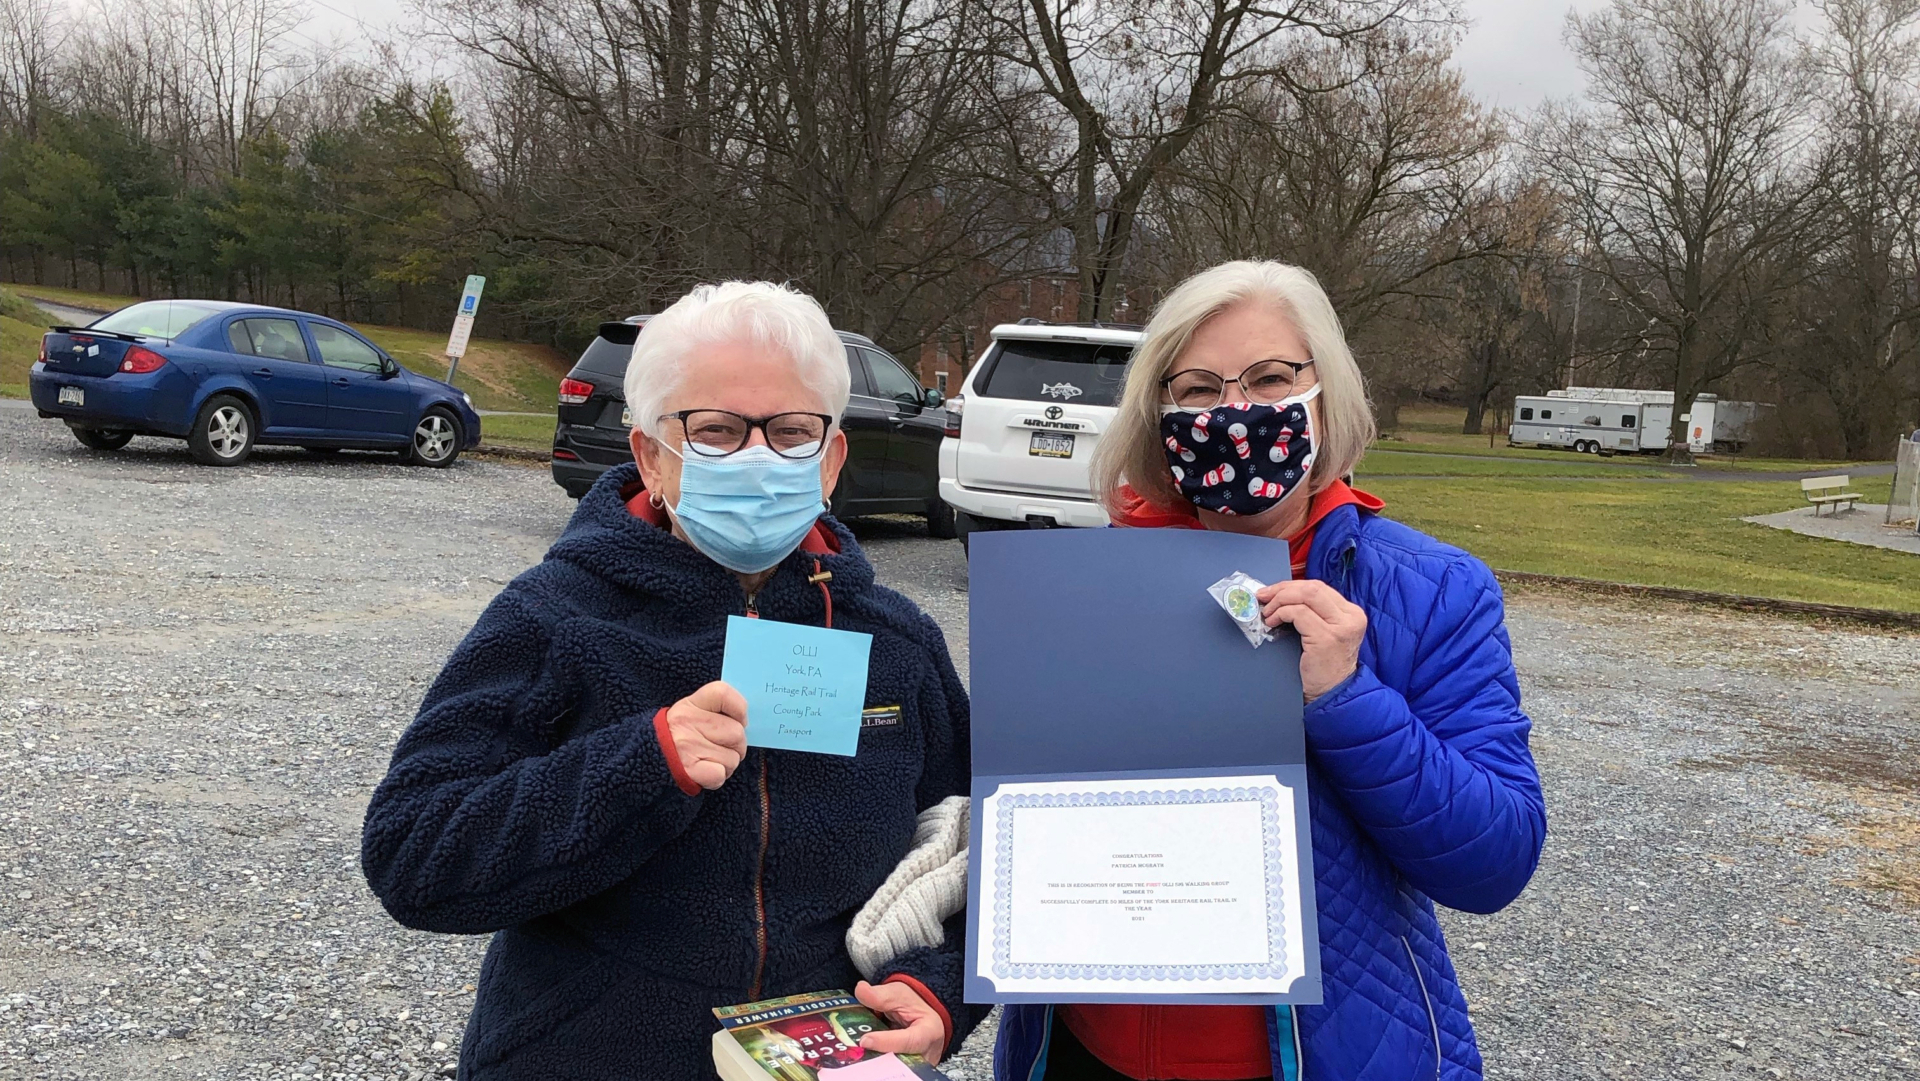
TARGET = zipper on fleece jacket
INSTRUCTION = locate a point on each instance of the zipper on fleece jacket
(760, 885)
(819, 578)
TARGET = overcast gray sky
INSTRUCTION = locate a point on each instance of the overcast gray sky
(1512, 56)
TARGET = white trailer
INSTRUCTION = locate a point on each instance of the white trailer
(1712, 424)
(1588, 425)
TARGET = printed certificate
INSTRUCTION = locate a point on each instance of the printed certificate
(1151, 886)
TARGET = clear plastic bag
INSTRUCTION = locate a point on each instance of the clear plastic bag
(1235, 593)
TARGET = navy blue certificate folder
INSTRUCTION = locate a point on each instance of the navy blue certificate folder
(1099, 653)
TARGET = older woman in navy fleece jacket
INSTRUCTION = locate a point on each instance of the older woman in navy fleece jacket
(578, 784)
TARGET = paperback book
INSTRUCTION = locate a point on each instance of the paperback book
(810, 1037)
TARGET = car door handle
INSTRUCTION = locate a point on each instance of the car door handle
(264, 373)
(340, 382)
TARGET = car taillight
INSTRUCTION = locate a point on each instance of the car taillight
(43, 350)
(574, 391)
(140, 360)
(954, 406)
(566, 456)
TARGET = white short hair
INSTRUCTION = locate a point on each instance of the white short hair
(776, 317)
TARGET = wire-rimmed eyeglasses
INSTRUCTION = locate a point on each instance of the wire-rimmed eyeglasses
(1263, 382)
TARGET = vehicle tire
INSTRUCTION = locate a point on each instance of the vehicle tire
(436, 439)
(940, 522)
(223, 432)
(102, 438)
(966, 525)
(1579, 446)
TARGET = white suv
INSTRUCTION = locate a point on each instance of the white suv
(1023, 427)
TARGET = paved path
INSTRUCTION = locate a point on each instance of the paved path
(1864, 524)
(66, 315)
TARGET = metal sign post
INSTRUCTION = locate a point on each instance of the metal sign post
(463, 323)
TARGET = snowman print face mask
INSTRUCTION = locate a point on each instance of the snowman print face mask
(1240, 458)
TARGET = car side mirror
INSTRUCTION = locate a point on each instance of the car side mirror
(389, 367)
(933, 399)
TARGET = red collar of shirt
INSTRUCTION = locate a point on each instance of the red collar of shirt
(1133, 510)
(819, 540)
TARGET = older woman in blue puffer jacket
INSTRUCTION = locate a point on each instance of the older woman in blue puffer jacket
(1244, 411)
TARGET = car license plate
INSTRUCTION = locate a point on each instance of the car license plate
(1051, 445)
(72, 396)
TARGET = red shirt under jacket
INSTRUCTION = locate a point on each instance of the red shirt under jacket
(1195, 1043)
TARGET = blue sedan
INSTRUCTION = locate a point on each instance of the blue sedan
(227, 377)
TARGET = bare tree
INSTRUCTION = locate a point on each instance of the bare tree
(1371, 185)
(236, 48)
(1860, 317)
(871, 141)
(1135, 83)
(32, 37)
(1694, 174)
(1494, 315)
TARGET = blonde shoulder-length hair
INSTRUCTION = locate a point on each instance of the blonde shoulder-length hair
(1132, 452)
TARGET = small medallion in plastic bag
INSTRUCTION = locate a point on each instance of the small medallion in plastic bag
(1235, 593)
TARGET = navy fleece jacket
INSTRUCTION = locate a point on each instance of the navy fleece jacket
(532, 798)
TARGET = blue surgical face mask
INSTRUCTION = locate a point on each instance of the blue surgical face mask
(749, 509)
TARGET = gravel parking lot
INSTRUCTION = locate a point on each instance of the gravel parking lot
(202, 672)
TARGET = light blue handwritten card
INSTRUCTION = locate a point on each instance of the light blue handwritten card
(804, 686)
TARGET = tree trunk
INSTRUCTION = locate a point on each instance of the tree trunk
(1486, 358)
(1678, 453)
(1086, 225)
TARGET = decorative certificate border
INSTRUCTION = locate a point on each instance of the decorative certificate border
(1272, 849)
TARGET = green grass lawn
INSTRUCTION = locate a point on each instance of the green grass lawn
(20, 331)
(1381, 462)
(497, 374)
(1685, 534)
(535, 433)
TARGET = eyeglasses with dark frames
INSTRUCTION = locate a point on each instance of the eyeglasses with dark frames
(1263, 382)
(716, 433)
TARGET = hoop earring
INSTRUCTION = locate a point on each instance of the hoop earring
(654, 501)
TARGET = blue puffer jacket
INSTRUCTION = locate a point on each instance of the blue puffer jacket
(1422, 790)
(533, 798)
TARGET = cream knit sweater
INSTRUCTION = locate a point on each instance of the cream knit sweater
(929, 885)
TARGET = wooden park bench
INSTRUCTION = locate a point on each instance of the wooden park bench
(1828, 492)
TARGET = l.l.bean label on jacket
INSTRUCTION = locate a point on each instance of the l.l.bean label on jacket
(804, 686)
(880, 717)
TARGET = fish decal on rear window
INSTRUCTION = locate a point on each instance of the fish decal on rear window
(1063, 391)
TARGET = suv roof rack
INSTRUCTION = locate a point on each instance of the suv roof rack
(1036, 321)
